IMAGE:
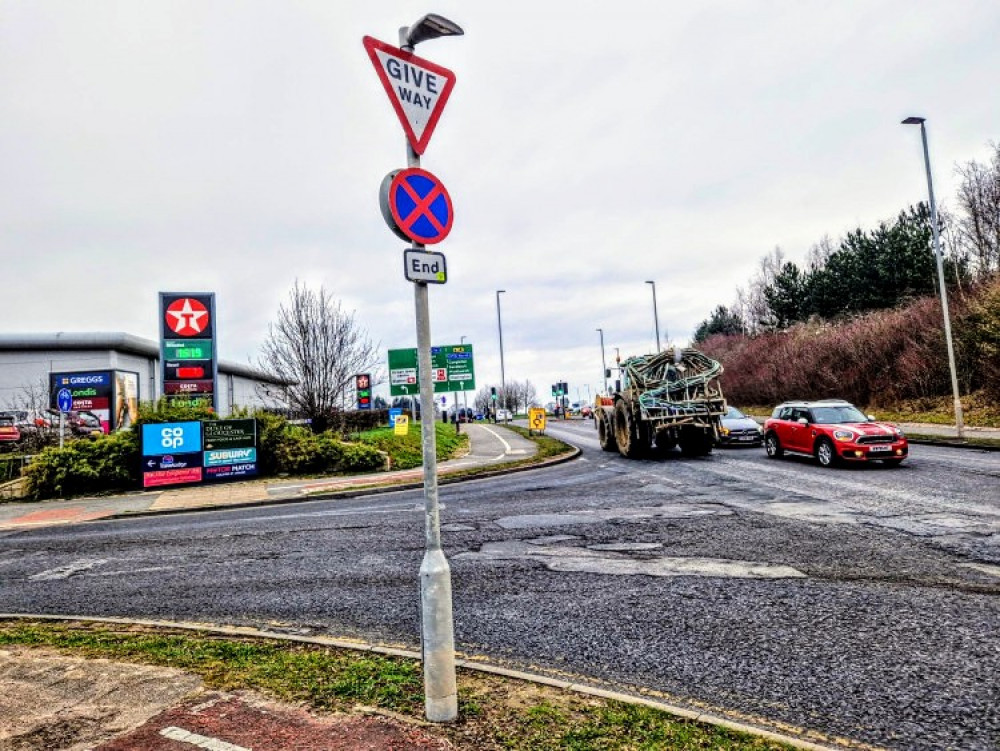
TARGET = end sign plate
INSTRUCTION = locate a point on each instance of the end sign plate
(423, 266)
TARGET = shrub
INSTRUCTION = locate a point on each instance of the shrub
(105, 463)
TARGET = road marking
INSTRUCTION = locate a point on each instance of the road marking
(506, 446)
(201, 741)
(64, 572)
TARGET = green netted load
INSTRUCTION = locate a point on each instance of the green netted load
(675, 383)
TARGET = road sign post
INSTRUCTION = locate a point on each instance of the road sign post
(418, 90)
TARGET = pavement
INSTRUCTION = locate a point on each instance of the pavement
(490, 446)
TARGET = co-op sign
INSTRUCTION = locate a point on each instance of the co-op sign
(183, 453)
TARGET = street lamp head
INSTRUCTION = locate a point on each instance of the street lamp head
(650, 282)
(913, 121)
(431, 26)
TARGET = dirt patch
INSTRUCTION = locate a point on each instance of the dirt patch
(53, 702)
(50, 701)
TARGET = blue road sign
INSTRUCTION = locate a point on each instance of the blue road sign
(64, 400)
(419, 207)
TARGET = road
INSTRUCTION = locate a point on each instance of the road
(862, 603)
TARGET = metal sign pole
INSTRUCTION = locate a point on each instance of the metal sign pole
(438, 632)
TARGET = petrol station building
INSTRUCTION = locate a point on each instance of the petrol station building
(28, 360)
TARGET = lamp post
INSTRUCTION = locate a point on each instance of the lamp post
(503, 386)
(465, 397)
(604, 364)
(656, 316)
(437, 641)
(959, 420)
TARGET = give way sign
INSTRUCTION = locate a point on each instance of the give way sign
(417, 88)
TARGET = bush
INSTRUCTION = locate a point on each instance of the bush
(979, 334)
(111, 462)
(105, 463)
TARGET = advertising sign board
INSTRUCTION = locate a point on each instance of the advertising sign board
(171, 454)
(230, 434)
(187, 347)
(363, 386)
(89, 391)
(230, 449)
(452, 369)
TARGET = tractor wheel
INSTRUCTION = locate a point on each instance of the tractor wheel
(605, 433)
(627, 435)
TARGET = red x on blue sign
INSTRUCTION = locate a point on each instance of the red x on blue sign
(420, 207)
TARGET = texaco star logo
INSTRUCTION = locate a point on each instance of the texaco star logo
(187, 316)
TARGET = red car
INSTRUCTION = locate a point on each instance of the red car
(833, 431)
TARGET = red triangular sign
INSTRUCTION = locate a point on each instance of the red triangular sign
(417, 88)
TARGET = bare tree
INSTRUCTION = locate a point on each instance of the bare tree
(320, 348)
(978, 227)
(751, 304)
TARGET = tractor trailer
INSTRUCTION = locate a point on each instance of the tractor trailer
(665, 400)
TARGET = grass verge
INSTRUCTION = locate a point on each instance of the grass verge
(495, 713)
(406, 451)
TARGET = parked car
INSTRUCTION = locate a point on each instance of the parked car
(833, 431)
(80, 422)
(739, 430)
(9, 432)
(504, 414)
(465, 414)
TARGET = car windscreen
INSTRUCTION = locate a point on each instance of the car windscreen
(843, 413)
(734, 413)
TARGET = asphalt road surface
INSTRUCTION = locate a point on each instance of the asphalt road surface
(863, 603)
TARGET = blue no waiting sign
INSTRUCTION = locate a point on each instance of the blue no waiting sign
(416, 206)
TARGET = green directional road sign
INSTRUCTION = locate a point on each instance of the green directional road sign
(452, 369)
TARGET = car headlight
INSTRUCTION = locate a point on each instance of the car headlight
(898, 432)
(843, 435)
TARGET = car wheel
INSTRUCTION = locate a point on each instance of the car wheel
(826, 455)
(773, 447)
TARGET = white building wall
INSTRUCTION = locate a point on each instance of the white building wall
(21, 370)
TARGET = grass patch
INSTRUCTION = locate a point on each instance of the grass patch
(977, 411)
(494, 713)
(406, 451)
(547, 446)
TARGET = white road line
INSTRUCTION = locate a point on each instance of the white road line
(201, 741)
(506, 446)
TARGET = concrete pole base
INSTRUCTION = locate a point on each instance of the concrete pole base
(438, 643)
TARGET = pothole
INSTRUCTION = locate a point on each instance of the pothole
(663, 511)
(572, 559)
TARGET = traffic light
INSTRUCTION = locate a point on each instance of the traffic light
(493, 393)
(554, 390)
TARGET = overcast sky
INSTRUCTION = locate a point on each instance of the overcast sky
(588, 146)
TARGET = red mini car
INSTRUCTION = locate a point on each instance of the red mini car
(833, 431)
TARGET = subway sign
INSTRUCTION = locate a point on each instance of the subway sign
(187, 348)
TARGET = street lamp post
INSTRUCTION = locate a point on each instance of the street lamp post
(437, 624)
(503, 382)
(465, 396)
(959, 419)
(604, 364)
(656, 316)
